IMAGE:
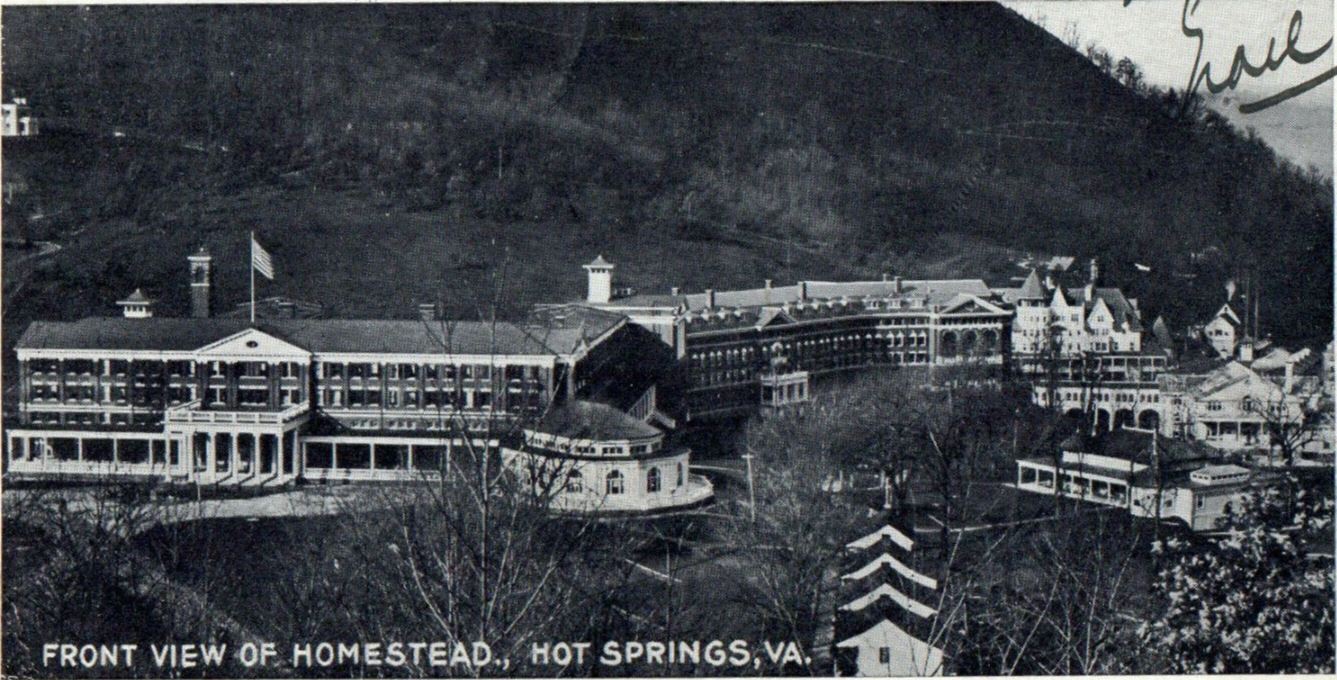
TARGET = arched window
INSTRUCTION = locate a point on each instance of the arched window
(574, 483)
(679, 474)
(613, 483)
(652, 480)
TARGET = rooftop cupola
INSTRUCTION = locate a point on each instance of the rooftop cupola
(137, 306)
(600, 287)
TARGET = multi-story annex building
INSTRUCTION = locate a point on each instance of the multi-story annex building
(741, 348)
(1085, 350)
(1247, 405)
(232, 402)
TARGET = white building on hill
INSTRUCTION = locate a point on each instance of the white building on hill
(16, 119)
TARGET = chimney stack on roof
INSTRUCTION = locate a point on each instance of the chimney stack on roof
(803, 290)
(899, 285)
(427, 311)
(200, 276)
(675, 291)
(710, 298)
(768, 284)
(599, 289)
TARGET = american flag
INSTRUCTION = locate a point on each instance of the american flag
(260, 260)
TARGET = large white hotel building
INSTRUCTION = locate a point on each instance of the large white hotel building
(594, 388)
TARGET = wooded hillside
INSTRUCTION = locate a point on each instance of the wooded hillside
(424, 146)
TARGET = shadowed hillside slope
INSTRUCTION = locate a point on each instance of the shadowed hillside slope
(393, 154)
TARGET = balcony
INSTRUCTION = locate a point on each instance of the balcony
(191, 414)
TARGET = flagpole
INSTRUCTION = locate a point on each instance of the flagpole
(252, 247)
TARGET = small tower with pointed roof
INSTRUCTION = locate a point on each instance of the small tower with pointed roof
(201, 264)
(1032, 292)
(137, 306)
(600, 287)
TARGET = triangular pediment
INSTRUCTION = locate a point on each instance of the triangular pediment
(969, 304)
(1100, 313)
(255, 343)
(773, 316)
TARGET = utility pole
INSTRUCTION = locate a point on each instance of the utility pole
(1156, 464)
(751, 492)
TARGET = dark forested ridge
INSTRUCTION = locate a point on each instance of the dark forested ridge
(428, 146)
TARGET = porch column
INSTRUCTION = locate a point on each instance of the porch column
(280, 442)
(272, 384)
(372, 463)
(294, 453)
(115, 451)
(79, 448)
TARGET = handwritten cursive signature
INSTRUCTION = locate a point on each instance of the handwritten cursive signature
(1241, 66)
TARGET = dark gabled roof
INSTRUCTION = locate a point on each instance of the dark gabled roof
(580, 419)
(648, 300)
(164, 334)
(426, 337)
(1120, 308)
(1135, 445)
(575, 316)
(1199, 365)
(394, 336)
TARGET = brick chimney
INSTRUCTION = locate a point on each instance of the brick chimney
(710, 298)
(201, 264)
(427, 311)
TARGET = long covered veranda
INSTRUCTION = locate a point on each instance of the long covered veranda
(377, 458)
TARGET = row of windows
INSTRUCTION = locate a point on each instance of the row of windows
(94, 450)
(615, 481)
(429, 398)
(867, 341)
(402, 371)
(111, 394)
